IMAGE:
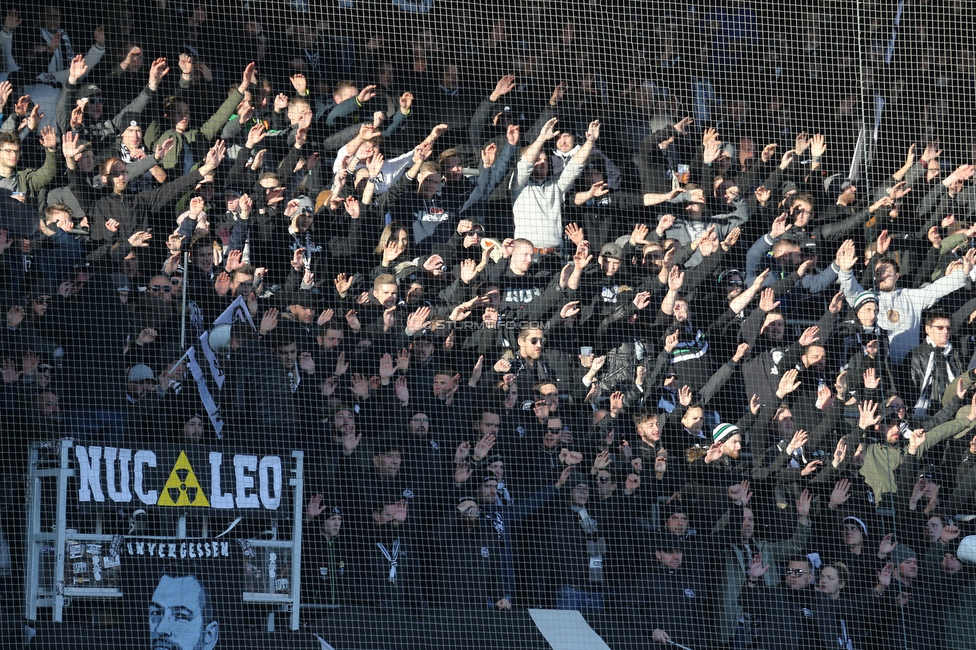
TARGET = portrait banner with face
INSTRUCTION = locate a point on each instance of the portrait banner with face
(177, 595)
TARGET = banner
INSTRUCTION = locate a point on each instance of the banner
(213, 409)
(236, 312)
(176, 477)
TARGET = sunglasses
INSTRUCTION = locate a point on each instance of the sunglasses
(735, 283)
(45, 368)
(797, 572)
(165, 288)
(42, 300)
(555, 429)
(536, 341)
(603, 479)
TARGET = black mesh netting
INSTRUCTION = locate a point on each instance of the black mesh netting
(426, 324)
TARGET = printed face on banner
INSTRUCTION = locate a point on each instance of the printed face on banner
(178, 616)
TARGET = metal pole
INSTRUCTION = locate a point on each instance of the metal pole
(186, 277)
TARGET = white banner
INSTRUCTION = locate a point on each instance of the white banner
(236, 312)
(213, 410)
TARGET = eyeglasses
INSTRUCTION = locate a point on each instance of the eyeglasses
(797, 572)
(603, 479)
(165, 288)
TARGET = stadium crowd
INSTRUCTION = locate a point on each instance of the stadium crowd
(542, 346)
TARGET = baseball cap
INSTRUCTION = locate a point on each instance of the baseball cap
(612, 250)
(89, 91)
(140, 372)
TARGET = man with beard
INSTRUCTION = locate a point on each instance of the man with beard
(689, 359)
(744, 561)
(478, 571)
(390, 579)
(899, 309)
(764, 331)
(785, 617)
(933, 365)
(671, 601)
(537, 199)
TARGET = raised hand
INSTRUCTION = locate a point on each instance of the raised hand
(709, 135)
(671, 341)
(504, 86)
(570, 309)
(780, 226)
(49, 138)
(575, 233)
(549, 131)
(767, 300)
(884, 575)
(825, 398)
(247, 76)
(810, 336)
(593, 131)
(756, 568)
(840, 494)
(140, 239)
(557, 93)
(299, 83)
(801, 143)
(341, 365)
(417, 320)
(616, 403)
(676, 279)
(803, 504)
(799, 439)
(887, 544)
(788, 383)
(818, 145)
(642, 300)
(915, 440)
(316, 506)
(868, 414)
(931, 152)
(871, 379)
(157, 71)
(683, 124)
(711, 152)
(77, 69)
(755, 404)
(343, 283)
(269, 321)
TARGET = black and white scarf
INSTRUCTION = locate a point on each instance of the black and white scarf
(925, 397)
(391, 557)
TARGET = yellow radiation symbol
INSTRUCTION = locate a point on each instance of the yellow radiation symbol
(182, 487)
